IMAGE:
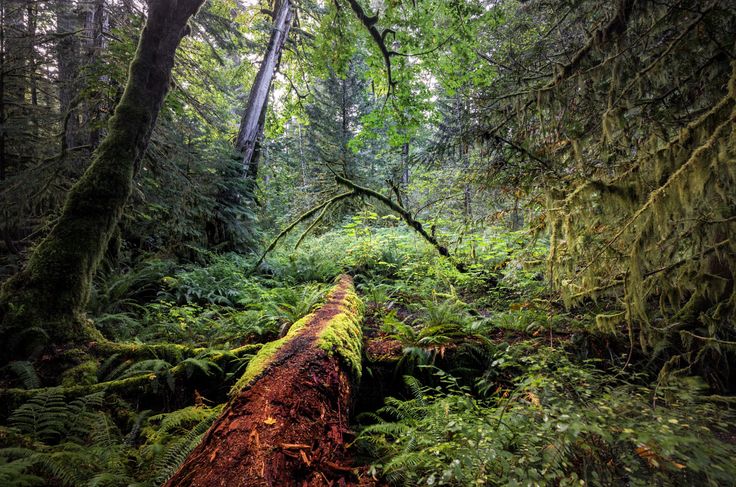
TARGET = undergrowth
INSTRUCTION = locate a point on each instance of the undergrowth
(503, 385)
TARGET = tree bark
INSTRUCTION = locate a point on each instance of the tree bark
(251, 124)
(13, 62)
(96, 24)
(404, 184)
(286, 422)
(68, 55)
(47, 298)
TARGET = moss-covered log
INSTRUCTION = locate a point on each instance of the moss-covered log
(47, 298)
(285, 422)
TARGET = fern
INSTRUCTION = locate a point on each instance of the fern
(104, 432)
(26, 373)
(202, 365)
(43, 417)
(80, 416)
(415, 387)
(163, 426)
(150, 366)
(176, 452)
(61, 465)
(14, 463)
(106, 479)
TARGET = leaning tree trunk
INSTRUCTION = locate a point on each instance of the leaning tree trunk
(49, 295)
(251, 124)
(286, 422)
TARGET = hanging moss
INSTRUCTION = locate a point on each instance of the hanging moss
(656, 233)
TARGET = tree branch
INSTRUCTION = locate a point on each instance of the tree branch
(404, 214)
(378, 37)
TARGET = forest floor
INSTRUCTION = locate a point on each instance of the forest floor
(474, 378)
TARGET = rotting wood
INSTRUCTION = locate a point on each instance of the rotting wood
(288, 416)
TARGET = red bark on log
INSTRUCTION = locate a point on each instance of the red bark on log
(288, 425)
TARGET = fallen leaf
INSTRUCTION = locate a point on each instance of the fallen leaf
(269, 421)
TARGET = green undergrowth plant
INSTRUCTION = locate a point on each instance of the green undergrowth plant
(96, 440)
(560, 423)
(287, 305)
(208, 325)
(224, 280)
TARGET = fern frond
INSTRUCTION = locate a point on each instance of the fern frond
(107, 479)
(153, 366)
(177, 451)
(415, 387)
(203, 365)
(42, 417)
(26, 373)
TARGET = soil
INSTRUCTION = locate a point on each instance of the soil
(289, 427)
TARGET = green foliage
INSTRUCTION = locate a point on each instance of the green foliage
(26, 373)
(171, 437)
(74, 443)
(561, 424)
(608, 153)
(220, 282)
(77, 443)
(289, 304)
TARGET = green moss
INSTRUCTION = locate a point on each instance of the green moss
(83, 374)
(51, 292)
(343, 334)
(265, 356)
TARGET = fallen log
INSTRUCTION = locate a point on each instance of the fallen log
(287, 421)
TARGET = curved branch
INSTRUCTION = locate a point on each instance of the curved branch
(404, 214)
(314, 223)
(301, 218)
(378, 37)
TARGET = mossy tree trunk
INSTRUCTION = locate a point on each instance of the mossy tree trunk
(48, 296)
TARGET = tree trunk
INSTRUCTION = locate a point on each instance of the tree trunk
(251, 124)
(48, 296)
(3, 120)
(285, 423)
(13, 84)
(96, 24)
(68, 55)
(404, 184)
